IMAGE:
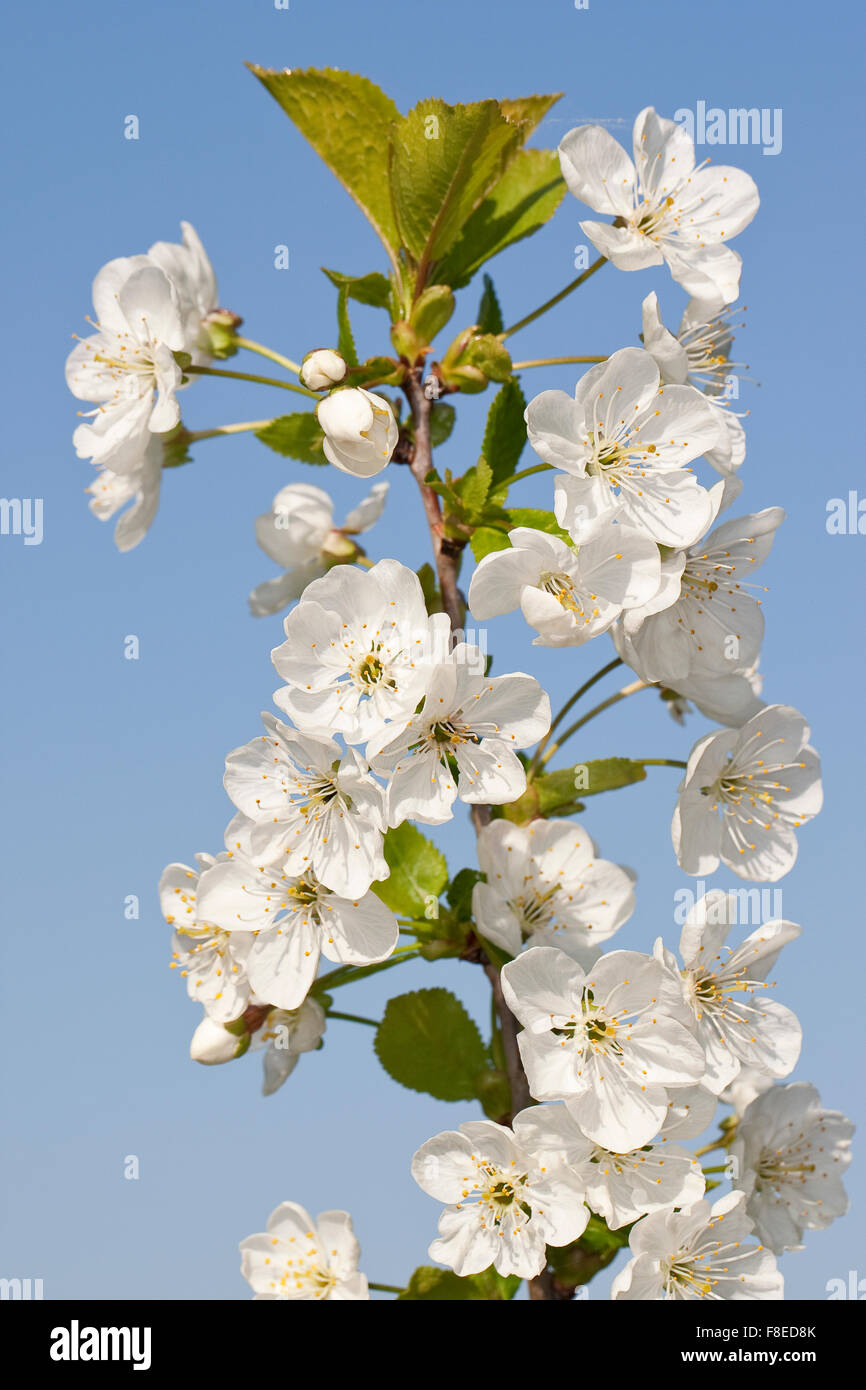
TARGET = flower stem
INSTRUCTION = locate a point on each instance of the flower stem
(386, 1288)
(348, 974)
(528, 472)
(569, 704)
(196, 435)
(355, 1018)
(249, 376)
(557, 298)
(553, 361)
(659, 762)
(268, 352)
(597, 709)
(719, 1168)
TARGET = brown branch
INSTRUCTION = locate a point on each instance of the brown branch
(446, 553)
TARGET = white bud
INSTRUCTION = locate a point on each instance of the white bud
(212, 1044)
(360, 431)
(322, 368)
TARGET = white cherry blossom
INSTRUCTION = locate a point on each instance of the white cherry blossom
(619, 1187)
(299, 1258)
(665, 209)
(479, 721)
(790, 1156)
(568, 594)
(503, 1207)
(744, 793)
(322, 368)
(360, 430)
(299, 534)
(624, 443)
(311, 805)
(606, 1040)
(359, 651)
(715, 625)
(725, 991)
(212, 962)
(109, 492)
(546, 884)
(285, 1035)
(291, 921)
(699, 1252)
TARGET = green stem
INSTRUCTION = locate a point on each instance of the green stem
(569, 704)
(528, 472)
(355, 1018)
(553, 361)
(659, 762)
(196, 435)
(268, 352)
(348, 974)
(557, 298)
(597, 709)
(719, 1168)
(386, 1288)
(718, 1143)
(249, 376)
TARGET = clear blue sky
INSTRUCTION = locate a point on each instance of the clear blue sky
(112, 768)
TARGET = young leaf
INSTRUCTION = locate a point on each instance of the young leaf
(297, 436)
(490, 318)
(345, 337)
(418, 872)
(505, 432)
(428, 1042)
(528, 111)
(430, 1284)
(444, 160)
(442, 417)
(459, 893)
(485, 540)
(373, 289)
(538, 520)
(557, 793)
(474, 487)
(524, 199)
(348, 121)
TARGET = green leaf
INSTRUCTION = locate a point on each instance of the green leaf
(430, 589)
(556, 793)
(444, 160)
(459, 893)
(525, 198)
(345, 337)
(490, 318)
(374, 371)
(538, 520)
(474, 487)
(429, 1284)
(485, 540)
(442, 418)
(490, 354)
(418, 872)
(373, 289)
(428, 1042)
(297, 436)
(505, 432)
(431, 311)
(348, 120)
(528, 111)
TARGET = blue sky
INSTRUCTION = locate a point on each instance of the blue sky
(112, 768)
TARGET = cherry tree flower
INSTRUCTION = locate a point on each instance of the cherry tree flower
(734, 1021)
(109, 492)
(299, 534)
(790, 1154)
(360, 431)
(213, 1043)
(619, 1187)
(147, 308)
(297, 1257)
(311, 805)
(568, 594)
(292, 920)
(546, 885)
(503, 1207)
(625, 441)
(699, 355)
(477, 719)
(744, 793)
(607, 1040)
(714, 625)
(322, 368)
(212, 961)
(699, 1252)
(690, 1112)
(359, 651)
(664, 208)
(285, 1035)
(730, 699)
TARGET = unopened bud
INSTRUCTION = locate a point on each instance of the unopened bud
(322, 368)
(213, 1043)
(218, 332)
